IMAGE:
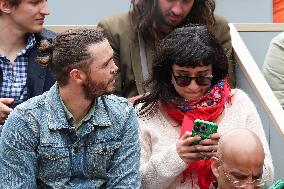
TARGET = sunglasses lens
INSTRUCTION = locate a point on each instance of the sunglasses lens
(183, 81)
(203, 80)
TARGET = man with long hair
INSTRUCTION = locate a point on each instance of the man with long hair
(21, 29)
(134, 36)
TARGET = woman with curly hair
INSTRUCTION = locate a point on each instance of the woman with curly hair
(189, 82)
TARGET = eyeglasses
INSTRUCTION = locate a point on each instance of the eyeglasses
(257, 183)
(184, 81)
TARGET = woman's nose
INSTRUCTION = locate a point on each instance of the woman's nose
(193, 85)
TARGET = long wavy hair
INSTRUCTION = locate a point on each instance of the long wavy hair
(143, 12)
(188, 46)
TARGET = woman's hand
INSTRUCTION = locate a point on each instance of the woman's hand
(208, 147)
(186, 152)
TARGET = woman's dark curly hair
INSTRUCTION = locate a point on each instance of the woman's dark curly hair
(143, 12)
(189, 46)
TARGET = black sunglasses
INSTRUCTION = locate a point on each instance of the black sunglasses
(184, 81)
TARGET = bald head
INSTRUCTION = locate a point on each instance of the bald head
(240, 157)
(241, 142)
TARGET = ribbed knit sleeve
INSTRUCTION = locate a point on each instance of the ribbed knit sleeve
(158, 170)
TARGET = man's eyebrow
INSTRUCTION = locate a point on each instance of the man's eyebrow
(108, 60)
(238, 174)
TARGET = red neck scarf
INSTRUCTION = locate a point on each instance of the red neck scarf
(209, 107)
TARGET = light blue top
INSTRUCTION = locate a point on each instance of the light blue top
(39, 149)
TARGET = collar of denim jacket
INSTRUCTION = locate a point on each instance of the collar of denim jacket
(57, 119)
(101, 115)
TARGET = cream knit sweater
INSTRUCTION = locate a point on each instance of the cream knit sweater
(161, 167)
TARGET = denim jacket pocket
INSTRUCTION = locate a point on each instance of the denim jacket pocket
(99, 156)
(54, 163)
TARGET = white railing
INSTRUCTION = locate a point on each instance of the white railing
(259, 27)
(254, 76)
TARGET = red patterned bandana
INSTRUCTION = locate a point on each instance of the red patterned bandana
(209, 107)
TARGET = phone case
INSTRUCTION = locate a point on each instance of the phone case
(203, 129)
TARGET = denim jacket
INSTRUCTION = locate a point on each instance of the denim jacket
(39, 149)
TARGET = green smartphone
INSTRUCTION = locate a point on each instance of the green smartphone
(203, 129)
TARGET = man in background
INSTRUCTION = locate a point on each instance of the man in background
(21, 29)
(273, 67)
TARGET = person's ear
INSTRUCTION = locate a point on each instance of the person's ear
(77, 76)
(214, 166)
(5, 6)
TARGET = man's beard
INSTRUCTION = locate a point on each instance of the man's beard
(93, 89)
(161, 18)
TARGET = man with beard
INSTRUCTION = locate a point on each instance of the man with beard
(21, 23)
(76, 135)
(240, 161)
(134, 36)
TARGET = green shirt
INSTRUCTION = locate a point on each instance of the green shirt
(70, 119)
